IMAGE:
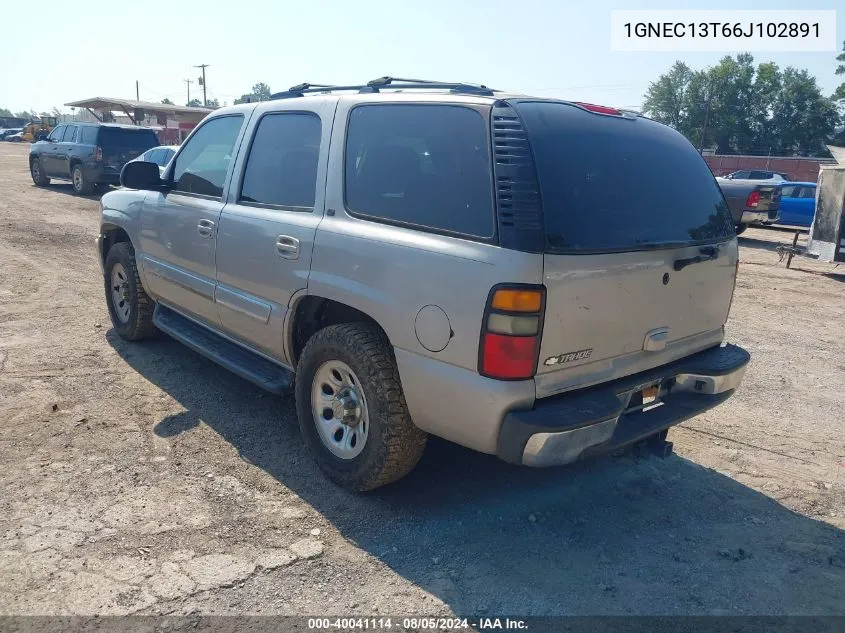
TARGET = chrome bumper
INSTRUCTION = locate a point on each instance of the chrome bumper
(750, 217)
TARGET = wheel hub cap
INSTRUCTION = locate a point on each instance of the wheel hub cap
(120, 293)
(339, 408)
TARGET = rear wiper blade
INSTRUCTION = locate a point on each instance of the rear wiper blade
(706, 254)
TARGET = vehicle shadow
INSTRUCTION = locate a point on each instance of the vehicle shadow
(753, 242)
(619, 535)
(60, 186)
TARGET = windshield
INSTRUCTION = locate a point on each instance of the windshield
(616, 184)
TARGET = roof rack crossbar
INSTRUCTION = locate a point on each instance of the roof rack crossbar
(385, 83)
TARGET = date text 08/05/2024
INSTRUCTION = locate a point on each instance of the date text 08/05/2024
(420, 623)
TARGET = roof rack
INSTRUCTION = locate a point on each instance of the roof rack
(376, 85)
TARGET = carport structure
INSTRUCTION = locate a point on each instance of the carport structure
(184, 117)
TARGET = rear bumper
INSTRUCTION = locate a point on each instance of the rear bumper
(562, 429)
(97, 173)
(751, 217)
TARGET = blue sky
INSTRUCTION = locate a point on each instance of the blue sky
(544, 47)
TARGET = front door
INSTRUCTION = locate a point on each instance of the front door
(267, 230)
(49, 155)
(65, 151)
(179, 224)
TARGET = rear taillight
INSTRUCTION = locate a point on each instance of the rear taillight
(510, 337)
(752, 200)
(98, 154)
(598, 109)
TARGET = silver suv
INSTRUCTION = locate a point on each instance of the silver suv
(537, 279)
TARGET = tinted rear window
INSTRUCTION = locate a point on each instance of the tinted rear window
(141, 139)
(609, 183)
(424, 166)
(88, 135)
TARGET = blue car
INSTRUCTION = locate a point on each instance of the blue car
(797, 203)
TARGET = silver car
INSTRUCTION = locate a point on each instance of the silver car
(160, 155)
(511, 273)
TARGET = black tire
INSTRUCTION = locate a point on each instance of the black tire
(139, 325)
(740, 228)
(37, 173)
(394, 443)
(81, 186)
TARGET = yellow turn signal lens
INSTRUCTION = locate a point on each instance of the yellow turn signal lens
(518, 300)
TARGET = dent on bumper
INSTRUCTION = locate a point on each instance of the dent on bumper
(563, 429)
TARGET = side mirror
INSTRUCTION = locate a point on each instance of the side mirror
(141, 175)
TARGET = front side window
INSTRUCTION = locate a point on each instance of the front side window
(807, 192)
(425, 166)
(281, 169)
(57, 133)
(202, 164)
(789, 191)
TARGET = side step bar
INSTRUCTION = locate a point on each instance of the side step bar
(248, 365)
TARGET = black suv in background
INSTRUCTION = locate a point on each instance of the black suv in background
(88, 154)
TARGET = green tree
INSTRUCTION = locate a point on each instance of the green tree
(666, 99)
(5, 112)
(167, 101)
(839, 93)
(213, 103)
(743, 109)
(802, 118)
(260, 92)
(194, 103)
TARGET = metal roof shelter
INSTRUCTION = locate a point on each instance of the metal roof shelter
(137, 110)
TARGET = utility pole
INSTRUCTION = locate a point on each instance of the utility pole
(188, 82)
(706, 119)
(137, 91)
(202, 82)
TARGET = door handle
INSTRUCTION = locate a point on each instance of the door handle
(205, 228)
(287, 247)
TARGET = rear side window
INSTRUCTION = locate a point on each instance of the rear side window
(761, 175)
(615, 184)
(203, 163)
(119, 138)
(70, 134)
(87, 135)
(420, 165)
(281, 169)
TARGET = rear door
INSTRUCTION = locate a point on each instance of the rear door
(266, 233)
(640, 254)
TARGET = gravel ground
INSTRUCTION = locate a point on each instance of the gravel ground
(144, 479)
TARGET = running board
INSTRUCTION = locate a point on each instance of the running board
(248, 365)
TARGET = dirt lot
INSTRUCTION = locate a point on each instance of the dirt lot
(143, 479)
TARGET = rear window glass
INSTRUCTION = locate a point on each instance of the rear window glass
(425, 166)
(141, 139)
(88, 135)
(610, 183)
